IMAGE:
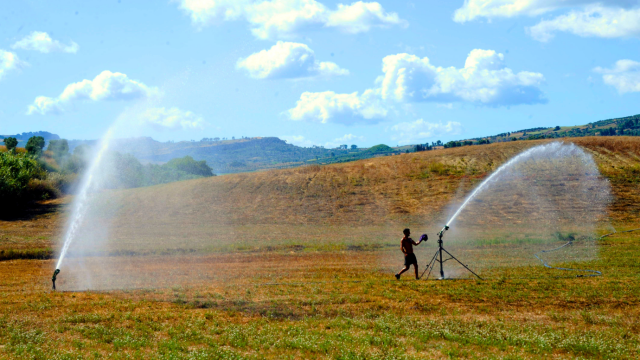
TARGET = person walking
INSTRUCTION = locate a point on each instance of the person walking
(406, 245)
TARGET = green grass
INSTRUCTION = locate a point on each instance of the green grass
(318, 310)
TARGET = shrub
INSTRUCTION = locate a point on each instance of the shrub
(16, 172)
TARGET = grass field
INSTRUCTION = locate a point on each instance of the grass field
(298, 264)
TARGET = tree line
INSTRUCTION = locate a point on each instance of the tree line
(34, 173)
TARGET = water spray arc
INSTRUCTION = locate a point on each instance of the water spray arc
(80, 201)
(537, 153)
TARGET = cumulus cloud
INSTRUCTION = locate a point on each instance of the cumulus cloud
(593, 21)
(106, 86)
(472, 9)
(347, 109)
(625, 76)
(172, 118)
(287, 60)
(484, 79)
(607, 19)
(8, 62)
(286, 18)
(297, 140)
(207, 12)
(419, 131)
(42, 42)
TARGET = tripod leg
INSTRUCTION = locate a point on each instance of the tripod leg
(430, 265)
(465, 266)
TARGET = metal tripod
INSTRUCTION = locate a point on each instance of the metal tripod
(437, 258)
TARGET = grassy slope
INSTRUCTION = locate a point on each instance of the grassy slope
(407, 188)
(402, 188)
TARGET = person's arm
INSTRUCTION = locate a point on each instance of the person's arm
(404, 251)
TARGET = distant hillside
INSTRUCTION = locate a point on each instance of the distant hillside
(624, 126)
(415, 187)
(240, 155)
(227, 156)
(260, 153)
(24, 137)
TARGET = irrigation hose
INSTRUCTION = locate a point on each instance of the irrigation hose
(570, 242)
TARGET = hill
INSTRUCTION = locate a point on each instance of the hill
(24, 137)
(624, 126)
(240, 155)
(408, 187)
(307, 201)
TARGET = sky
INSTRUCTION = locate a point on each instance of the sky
(316, 72)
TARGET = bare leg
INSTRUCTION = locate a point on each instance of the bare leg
(402, 271)
(415, 266)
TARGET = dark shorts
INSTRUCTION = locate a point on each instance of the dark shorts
(410, 259)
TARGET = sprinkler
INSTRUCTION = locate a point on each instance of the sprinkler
(53, 278)
(437, 257)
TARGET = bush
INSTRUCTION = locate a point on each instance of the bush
(16, 172)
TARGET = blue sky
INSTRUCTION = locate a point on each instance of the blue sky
(316, 72)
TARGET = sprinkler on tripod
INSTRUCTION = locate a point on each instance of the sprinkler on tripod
(53, 279)
(437, 258)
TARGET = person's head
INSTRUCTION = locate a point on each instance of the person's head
(406, 232)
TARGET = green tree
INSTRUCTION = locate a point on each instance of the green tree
(59, 148)
(10, 143)
(35, 144)
(190, 166)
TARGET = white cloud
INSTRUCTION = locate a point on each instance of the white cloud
(625, 76)
(347, 109)
(106, 86)
(472, 9)
(172, 118)
(8, 62)
(593, 21)
(286, 18)
(607, 19)
(287, 60)
(207, 12)
(42, 42)
(419, 131)
(484, 80)
(297, 140)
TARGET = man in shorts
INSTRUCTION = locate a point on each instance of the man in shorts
(406, 245)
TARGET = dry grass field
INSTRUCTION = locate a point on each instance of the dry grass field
(298, 263)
